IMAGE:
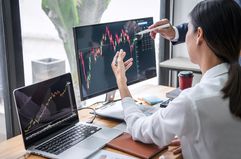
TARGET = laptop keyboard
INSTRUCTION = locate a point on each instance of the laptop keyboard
(68, 139)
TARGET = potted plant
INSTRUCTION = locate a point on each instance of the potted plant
(65, 14)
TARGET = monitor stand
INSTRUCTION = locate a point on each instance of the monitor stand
(109, 97)
(111, 108)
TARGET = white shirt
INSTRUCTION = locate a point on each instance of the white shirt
(176, 34)
(199, 116)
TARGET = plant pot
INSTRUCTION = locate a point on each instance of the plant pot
(43, 69)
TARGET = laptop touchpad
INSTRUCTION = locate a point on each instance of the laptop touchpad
(92, 142)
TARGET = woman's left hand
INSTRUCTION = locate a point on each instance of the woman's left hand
(120, 67)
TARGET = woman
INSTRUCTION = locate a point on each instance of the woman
(206, 117)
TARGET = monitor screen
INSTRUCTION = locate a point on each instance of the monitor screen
(96, 45)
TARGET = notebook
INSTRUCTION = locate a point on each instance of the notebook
(126, 144)
(49, 121)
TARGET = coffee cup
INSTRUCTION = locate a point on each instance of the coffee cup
(185, 79)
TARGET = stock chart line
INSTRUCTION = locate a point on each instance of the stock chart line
(107, 39)
(83, 64)
(116, 40)
(87, 76)
(38, 118)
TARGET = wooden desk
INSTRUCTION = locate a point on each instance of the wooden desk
(14, 148)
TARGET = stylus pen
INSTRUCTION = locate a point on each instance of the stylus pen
(156, 28)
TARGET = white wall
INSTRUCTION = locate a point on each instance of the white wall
(181, 10)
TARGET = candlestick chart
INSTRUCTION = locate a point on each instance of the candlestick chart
(98, 44)
(112, 42)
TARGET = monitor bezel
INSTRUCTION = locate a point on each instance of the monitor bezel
(78, 64)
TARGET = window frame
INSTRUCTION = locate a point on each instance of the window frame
(12, 50)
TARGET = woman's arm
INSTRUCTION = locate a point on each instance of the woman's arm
(119, 68)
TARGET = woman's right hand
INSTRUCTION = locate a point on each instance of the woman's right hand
(177, 143)
(167, 33)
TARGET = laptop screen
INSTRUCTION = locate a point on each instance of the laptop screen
(46, 107)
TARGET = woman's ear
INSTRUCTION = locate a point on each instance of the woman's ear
(199, 34)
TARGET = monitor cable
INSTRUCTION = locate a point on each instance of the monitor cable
(93, 112)
(105, 103)
(94, 109)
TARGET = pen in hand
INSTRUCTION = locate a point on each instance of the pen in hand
(153, 29)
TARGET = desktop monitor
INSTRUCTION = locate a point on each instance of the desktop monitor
(97, 44)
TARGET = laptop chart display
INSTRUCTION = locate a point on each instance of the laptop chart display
(45, 107)
(50, 124)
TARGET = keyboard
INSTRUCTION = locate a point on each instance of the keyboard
(68, 139)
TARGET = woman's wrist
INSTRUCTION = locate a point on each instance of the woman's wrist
(123, 88)
(121, 84)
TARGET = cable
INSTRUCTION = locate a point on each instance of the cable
(94, 113)
(93, 109)
(105, 103)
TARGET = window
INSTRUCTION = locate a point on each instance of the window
(43, 39)
(48, 48)
(3, 135)
(2, 112)
(47, 34)
(126, 9)
(10, 66)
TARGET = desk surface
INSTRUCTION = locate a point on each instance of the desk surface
(14, 148)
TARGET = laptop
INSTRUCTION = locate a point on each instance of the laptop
(49, 121)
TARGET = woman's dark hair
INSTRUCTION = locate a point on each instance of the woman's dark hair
(220, 21)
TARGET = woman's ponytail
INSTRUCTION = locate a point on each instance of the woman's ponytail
(232, 89)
